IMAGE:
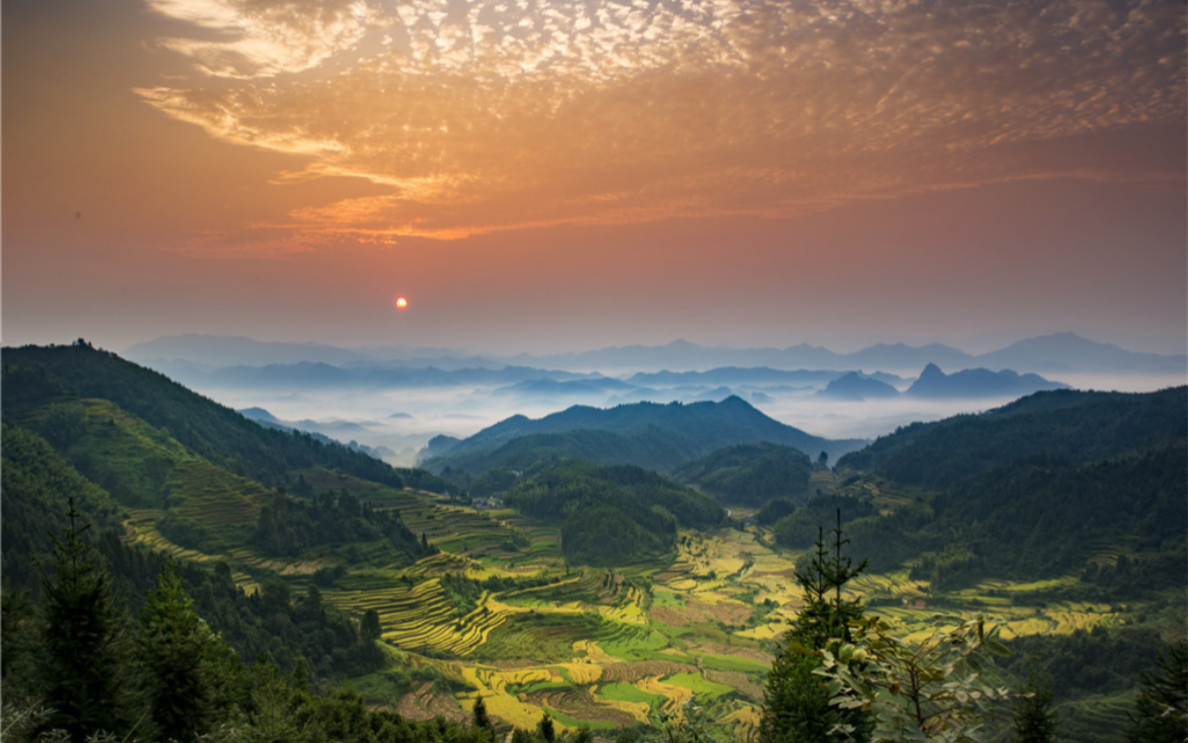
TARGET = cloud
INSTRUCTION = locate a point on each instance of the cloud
(497, 114)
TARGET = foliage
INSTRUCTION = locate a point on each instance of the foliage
(480, 716)
(1033, 718)
(1161, 710)
(85, 670)
(35, 482)
(180, 659)
(611, 515)
(774, 510)
(927, 691)
(1042, 517)
(796, 701)
(800, 529)
(193, 683)
(34, 375)
(796, 706)
(1098, 661)
(290, 526)
(1081, 426)
(750, 474)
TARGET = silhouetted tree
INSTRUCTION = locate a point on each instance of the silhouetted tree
(1161, 711)
(1033, 718)
(370, 627)
(546, 730)
(86, 650)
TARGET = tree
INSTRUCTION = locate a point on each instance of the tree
(823, 460)
(825, 616)
(481, 718)
(177, 674)
(923, 692)
(1161, 710)
(1033, 718)
(272, 705)
(370, 627)
(796, 705)
(546, 729)
(86, 651)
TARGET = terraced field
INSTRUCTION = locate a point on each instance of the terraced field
(418, 617)
(215, 497)
(141, 527)
(607, 648)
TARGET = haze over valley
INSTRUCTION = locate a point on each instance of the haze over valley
(396, 399)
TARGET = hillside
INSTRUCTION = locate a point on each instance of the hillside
(36, 376)
(676, 432)
(749, 474)
(612, 515)
(1080, 426)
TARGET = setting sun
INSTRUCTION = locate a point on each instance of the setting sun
(401, 303)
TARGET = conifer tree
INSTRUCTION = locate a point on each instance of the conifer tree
(481, 718)
(796, 705)
(85, 668)
(1033, 717)
(370, 628)
(178, 679)
(1161, 711)
(546, 729)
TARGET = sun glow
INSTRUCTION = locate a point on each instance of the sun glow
(401, 303)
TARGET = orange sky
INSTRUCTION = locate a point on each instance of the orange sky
(550, 175)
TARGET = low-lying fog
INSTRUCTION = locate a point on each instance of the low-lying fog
(402, 420)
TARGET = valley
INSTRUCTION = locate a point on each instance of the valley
(499, 595)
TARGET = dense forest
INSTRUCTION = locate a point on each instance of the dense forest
(612, 515)
(749, 474)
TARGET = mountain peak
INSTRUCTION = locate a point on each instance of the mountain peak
(931, 370)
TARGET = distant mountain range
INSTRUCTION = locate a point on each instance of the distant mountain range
(1059, 352)
(856, 386)
(969, 383)
(328, 432)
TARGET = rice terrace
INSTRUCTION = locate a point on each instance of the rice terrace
(607, 648)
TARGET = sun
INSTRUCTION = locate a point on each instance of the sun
(401, 303)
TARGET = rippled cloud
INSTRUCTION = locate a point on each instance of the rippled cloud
(497, 114)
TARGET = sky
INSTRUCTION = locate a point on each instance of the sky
(540, 175)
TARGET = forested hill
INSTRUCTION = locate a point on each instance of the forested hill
(612, 515)
(1079, 426)
(680, 433)
(34, 376)
(750, 474)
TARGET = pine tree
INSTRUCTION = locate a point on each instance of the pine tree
(796, 705)
(1161, 711)
(85, 669)
(481, 719)
(370, 628)
(1033, 717)
(546, 729)
(178, 679)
